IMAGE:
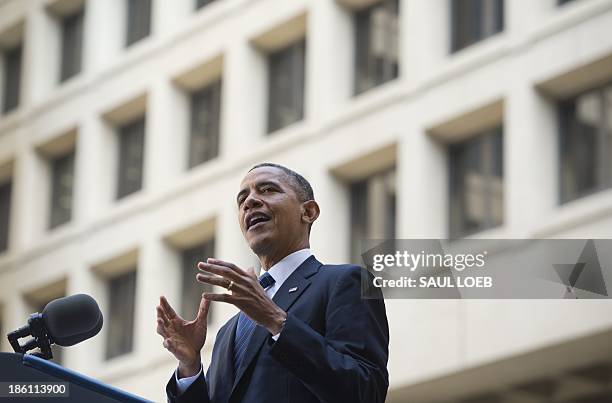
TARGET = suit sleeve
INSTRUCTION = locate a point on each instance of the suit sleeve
(348, 362)
(197, 392)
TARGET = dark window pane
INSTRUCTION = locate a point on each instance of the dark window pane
(12, 79)
(586, 143)
(376, 45)
(131, 156)
(62, 179)
(202, 3)
(286, 86)
(192, 290)
(475, 20)
(476, 183)
(138, 20)
(120, 319)
(373, 211)
(72, 45)
(5, 214)
(205, 112)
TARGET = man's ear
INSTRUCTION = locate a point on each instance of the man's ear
(310, 211)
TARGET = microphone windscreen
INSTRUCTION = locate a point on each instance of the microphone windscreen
(72, 319)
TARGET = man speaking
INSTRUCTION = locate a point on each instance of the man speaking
(303, 333)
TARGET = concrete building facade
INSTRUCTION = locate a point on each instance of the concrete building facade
(545, 53)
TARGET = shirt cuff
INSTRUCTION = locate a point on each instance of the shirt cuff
(183, 384)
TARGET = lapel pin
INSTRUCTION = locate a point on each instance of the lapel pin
(292, 289)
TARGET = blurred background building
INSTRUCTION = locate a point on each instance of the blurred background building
(127, 126)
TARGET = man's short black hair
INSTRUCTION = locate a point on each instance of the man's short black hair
(300, 185)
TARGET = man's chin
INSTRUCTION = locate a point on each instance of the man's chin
(260, 243)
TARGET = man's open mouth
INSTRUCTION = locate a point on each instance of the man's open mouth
(256, 220)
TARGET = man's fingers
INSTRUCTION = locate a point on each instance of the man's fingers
(219, 297)
(161, 329)
(203, 310)
(222, 271)
(251, 272)
(167, 309)
(229, 265)
(161, 315)
(214, 280)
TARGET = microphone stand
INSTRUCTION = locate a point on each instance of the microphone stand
(38, 330)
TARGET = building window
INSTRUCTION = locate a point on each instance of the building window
(376, 45)
(192, 290)
(121, 299)
(586, 143)
(5, 214)
(138, 20)
(286, 86)
(72, 45)
(373, 211)
(12, 79)
(131, 157)
(475, 20)
(204, 136)
(201, 3)
(476, 183)
(62, 180)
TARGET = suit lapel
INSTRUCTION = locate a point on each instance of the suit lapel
(300, 278)
(219, 388)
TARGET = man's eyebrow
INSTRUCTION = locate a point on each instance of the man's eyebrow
(259, 184)
(242, 192)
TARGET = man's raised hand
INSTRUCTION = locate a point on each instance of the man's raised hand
(184, 339)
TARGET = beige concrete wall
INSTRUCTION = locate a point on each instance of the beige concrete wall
(436, 91)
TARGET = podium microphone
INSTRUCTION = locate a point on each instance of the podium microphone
(64, 321)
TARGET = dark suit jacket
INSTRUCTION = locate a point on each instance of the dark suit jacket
(333, 347)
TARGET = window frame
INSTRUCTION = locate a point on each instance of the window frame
(139, 15)
(119, 305)
(486, 140)
(70, 60)
(207, 96)
(296, 53)
(58, 167)
(125, 133)
(11, 92)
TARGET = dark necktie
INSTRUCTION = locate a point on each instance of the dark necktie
(246, 327)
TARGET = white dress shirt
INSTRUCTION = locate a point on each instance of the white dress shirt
(279, 272)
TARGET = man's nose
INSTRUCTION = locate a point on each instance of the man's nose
(252, 201)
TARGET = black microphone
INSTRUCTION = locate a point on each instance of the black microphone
(64, 321)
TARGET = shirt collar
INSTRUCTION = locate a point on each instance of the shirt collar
(286, 266)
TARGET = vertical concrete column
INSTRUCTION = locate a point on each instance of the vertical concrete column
(39, 51)
(422, 184)
(158, 274)
(522, 16)
(330, 237)
(167, 16)
(530, 155)
(28, 211)
(104, 33)
(94, 174)
(244, 97)
(329, 59)
(424, 38)
(166, 136)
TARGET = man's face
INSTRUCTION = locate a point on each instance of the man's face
(269, 211)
